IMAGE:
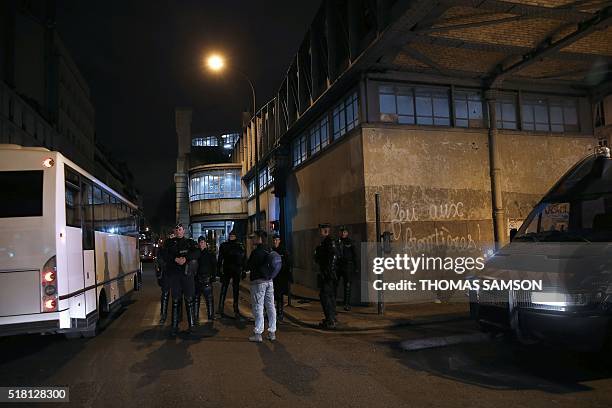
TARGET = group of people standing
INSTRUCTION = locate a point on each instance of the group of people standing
(187, 270)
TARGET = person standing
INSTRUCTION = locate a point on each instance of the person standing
(178, 253)
(284, 277)
(326, 256)
(262, 287)
(163, 282)
(207, 266)
(348, 263)
(230, 266)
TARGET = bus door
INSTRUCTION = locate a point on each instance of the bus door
(74, 244)
(89, 258)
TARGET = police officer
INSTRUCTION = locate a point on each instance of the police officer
(179, 251)
(349, 262)
(207, 267)
(326, 256)
(231, 264)
(284, 277)
(163, 281)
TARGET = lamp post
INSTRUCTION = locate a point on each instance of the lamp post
(216, 63)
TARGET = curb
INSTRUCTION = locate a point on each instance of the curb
(442, 318)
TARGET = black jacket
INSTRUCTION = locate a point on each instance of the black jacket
(176, 248)
(257, 263)
(232, 258)
(285, 276)
(207, 267)
(327, 256)
(349, 261)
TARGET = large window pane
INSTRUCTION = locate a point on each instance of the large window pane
(210, 184)
(387, 104)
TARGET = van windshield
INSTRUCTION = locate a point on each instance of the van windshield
(22, 193)
(578, 209)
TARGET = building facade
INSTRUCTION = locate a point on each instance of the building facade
(459, 114)
(210, 193)
(44, 99)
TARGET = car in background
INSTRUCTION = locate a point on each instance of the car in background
(148, 247)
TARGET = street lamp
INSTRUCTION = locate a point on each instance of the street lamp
(216, 63)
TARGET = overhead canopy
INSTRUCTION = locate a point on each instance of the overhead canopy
(555, 41)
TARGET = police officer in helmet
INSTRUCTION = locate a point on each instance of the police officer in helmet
(327, 256)
(178, 253)
(231, 264)
(348, 263)
(207, 267)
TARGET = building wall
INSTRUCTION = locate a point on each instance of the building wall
(435, 185)
(328, 188)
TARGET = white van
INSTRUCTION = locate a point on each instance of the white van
(566, 242)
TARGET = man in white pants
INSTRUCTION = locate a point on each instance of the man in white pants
(262, 288)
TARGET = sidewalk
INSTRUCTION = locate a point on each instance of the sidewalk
(305, 310)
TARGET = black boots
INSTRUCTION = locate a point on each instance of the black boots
(176, 307)
(190, 314)
(196, 311)
(165, 298)
(210, 302)
(347, 296)
(236, 296)
(222, 296)
(280, 312)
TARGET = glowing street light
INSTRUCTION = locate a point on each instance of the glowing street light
(215, 62)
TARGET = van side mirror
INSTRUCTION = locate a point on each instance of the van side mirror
(513, 232)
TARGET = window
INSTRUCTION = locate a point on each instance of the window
(252, 187)
(229, 140)
(319, 136)
(298, 148)
(22, 194)
(88, 219)
(406, 105)
(73, 198)
(263, 177)
(98, 201)
(205, 141)
(468, 109)
(218, 183)
(549, 114)
(505, 112)
(345, 115)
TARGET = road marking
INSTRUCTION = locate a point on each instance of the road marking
(431, 342)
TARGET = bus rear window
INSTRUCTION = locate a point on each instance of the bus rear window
(21, 193)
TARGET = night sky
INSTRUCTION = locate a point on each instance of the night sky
(141, 59)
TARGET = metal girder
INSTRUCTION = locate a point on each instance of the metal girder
(546, 48)
(524, 9)
(460, 26)
(492, 47)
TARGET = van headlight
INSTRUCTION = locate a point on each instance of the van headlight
(560, 299)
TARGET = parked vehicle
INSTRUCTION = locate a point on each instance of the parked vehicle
(68, 248)
(566, 242)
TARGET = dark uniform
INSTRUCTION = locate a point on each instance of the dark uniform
(348, 263)
(230, 266)
(326, 256)
(162, 281)
(282, 280)
(181, 277)
(207, 267)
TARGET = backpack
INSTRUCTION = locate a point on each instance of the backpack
(274, 263)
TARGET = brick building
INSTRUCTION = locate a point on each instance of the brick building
(460, 114)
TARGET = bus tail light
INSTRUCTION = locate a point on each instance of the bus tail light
(48, 281)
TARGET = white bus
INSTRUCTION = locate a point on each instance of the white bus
(68, 245)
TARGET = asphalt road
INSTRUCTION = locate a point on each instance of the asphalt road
(133, 363)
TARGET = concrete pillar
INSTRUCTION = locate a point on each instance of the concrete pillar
(499, 214)
(181, 177)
